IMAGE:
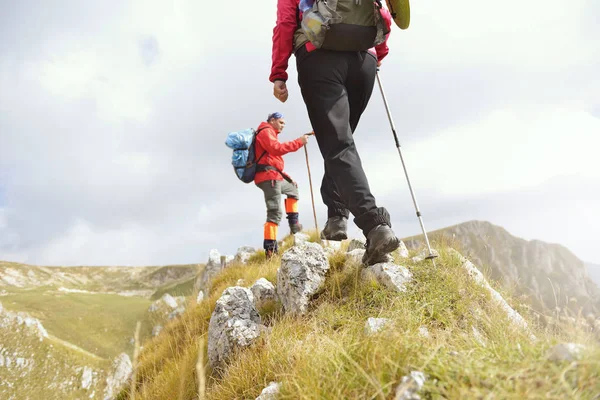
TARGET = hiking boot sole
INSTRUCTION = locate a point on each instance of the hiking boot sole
(337, 236)
(379, 253)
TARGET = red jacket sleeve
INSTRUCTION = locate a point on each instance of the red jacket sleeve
(283, 38)
(268, 141)
(383, 49)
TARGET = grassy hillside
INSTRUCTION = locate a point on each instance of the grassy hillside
(34, 369)
(327, 355)
(99, 323)
(80, 305)
(184, 288)
(90, 314)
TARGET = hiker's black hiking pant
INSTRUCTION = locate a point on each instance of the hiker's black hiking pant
(336, 87)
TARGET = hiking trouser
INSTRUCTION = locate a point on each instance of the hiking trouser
(273, 190)
(336, 87)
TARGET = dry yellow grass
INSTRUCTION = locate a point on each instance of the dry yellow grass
(326, 354)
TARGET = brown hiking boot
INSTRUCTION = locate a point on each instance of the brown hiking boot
(269, 253)
(381, 241)
(295, 228)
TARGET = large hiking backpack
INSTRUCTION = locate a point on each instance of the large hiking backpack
(244, 159)
(343, 25)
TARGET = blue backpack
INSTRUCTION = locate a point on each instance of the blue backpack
(244, 159)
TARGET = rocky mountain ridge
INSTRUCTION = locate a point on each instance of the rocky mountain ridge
(131, 281)
(549, 275)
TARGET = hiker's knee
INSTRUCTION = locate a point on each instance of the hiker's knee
(274, 215)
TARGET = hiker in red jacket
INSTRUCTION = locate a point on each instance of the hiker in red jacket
(336, 87)
(273, 181)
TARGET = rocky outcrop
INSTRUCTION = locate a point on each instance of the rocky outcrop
(21, 319)
(476, 275)
(301, 275)
(402, 250)
(168, 307)
(375, 325)
(410, 386)
(235, 323)
(119, 375)
(214, 265)
(355, 244)
(389, 275)
(355, 256)
(176, 313)
(300, 239)
(331, 246)
(156, 330)
(270, 392)
(244, 253)
(87, 378)
(567, 352)
(263, 292)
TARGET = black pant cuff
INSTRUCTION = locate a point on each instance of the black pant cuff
(371, 219)
(337, 212)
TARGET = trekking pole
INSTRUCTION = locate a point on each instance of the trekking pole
(311, 188)
(431, 256)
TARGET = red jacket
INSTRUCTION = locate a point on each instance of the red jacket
(283, 38)
(267, 140)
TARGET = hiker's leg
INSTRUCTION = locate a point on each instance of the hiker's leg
(291, 205)
(272, 194)
(331, 197)
(321, 76)
(336, 227)
(381, 240)
(359, 85)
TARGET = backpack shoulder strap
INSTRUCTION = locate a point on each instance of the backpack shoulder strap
(255, 135)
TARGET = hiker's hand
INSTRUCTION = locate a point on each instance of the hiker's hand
(280, 91)
(304, 138)
(378, 64)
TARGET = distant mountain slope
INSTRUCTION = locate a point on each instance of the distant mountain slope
(594, 272)
(88, 317)
(549, 274)
(140, 280)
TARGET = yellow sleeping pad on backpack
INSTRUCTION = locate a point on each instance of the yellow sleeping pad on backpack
(400, 10)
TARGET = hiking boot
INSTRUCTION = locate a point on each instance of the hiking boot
(380, 242)
(335, 229)
(269, 253)
(295, 228)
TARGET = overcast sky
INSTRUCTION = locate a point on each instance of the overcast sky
(113, 117)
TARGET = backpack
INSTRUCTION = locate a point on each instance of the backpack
(243, 158)
(343, 25)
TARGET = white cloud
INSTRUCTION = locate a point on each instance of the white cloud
(134, 161)
(506, 150)
(110, 70)
(535, 35)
